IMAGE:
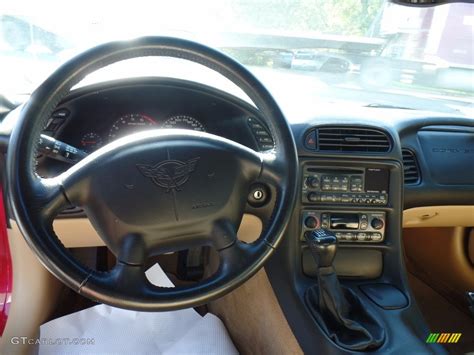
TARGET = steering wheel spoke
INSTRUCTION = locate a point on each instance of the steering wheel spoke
(49, 198)
(235, 257)
(223, 235)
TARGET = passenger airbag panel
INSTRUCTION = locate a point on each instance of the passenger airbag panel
(449, 156)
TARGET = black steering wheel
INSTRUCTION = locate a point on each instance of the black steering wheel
(137, 210)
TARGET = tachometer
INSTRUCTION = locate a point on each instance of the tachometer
(128, 124)
(90, 142)
(184, 122)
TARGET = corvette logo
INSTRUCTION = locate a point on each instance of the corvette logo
(169, 174)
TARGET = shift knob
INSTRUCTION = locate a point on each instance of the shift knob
(323, 246)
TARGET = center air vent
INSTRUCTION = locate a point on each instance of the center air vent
(350, 139)
(411, 169)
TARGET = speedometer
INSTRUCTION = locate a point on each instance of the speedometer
(184, 122)
(130, 123)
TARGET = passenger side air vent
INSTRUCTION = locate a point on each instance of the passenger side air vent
(351, 139)
(411, 169)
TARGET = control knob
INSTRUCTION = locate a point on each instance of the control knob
(314, 197)
(311, 222)
(377, 223)
(313, 182)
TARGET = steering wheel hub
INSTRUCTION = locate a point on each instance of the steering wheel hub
(164, 186)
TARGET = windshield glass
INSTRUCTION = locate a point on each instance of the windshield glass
(369, 52)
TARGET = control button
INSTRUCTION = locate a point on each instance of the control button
(340, 236)
(376, 237)
(310, 140)
(265, 146)
(350, 236)
(382, 199)
(311, 222)
(324, 224)
(312, 181)
(355, 188)
(53, 124)
(345, 198)
(266, 139)
(363, 225)
(377, 223)
(255, 125)
(314, 197)
(361, 236)
(261, 132)
(61, 113)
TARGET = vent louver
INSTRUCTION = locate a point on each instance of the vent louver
(352, 139)
(411, 169)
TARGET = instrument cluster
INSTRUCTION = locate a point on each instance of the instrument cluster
(133, 123)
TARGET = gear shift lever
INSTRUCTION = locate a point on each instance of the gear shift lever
(323, 246)
(339, 310)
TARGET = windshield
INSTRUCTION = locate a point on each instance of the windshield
(368, 52)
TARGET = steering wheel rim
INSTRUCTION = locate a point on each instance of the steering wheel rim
(35, 201)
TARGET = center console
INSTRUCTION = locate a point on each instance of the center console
(351, 200)
(341, 262)
(358, 200)
(348, 187)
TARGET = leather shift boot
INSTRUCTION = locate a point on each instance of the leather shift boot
(341, 314)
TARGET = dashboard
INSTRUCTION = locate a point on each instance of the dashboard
(359, 170)
(435, 151)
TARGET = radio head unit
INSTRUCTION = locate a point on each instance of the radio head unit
(358, 186)
(349, 226)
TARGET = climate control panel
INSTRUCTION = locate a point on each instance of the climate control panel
(349, 226)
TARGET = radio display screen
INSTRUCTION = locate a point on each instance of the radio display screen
(344, 221)
(376, 180)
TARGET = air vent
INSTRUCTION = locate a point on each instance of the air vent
(352, 139)
(410, 167)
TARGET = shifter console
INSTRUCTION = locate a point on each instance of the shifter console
(338, 310)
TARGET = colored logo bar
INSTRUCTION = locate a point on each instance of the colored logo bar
(442, 338)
